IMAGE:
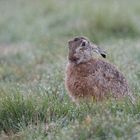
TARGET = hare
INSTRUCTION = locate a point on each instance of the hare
(88, 77)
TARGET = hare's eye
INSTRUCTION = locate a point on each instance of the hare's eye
(83, 43)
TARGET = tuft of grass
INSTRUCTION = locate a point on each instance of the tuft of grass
(106, 120)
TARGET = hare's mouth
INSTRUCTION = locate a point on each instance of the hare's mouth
(73, 59)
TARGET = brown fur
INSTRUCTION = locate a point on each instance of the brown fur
(93, 78)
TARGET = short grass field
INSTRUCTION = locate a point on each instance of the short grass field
(34, 104)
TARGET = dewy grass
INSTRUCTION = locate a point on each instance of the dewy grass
(33, 55)
(97, 19)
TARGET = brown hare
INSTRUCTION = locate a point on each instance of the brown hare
(88, 77)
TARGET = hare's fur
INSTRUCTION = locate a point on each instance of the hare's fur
(93, 78)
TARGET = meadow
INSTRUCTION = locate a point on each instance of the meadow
(34, 104)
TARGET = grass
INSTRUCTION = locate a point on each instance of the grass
(33, 50)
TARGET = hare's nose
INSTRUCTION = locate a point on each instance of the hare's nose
(70, 42)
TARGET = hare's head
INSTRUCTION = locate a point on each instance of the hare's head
(80, 50)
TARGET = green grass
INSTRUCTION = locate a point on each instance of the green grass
(33, 54)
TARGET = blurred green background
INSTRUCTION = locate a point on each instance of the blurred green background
(33, 56)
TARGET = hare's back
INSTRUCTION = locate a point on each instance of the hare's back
(109, 71)
(110, 78)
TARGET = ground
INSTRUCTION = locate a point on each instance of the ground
(33, 54)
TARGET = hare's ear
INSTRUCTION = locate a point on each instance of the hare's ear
(102, 52)
(98, 50)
